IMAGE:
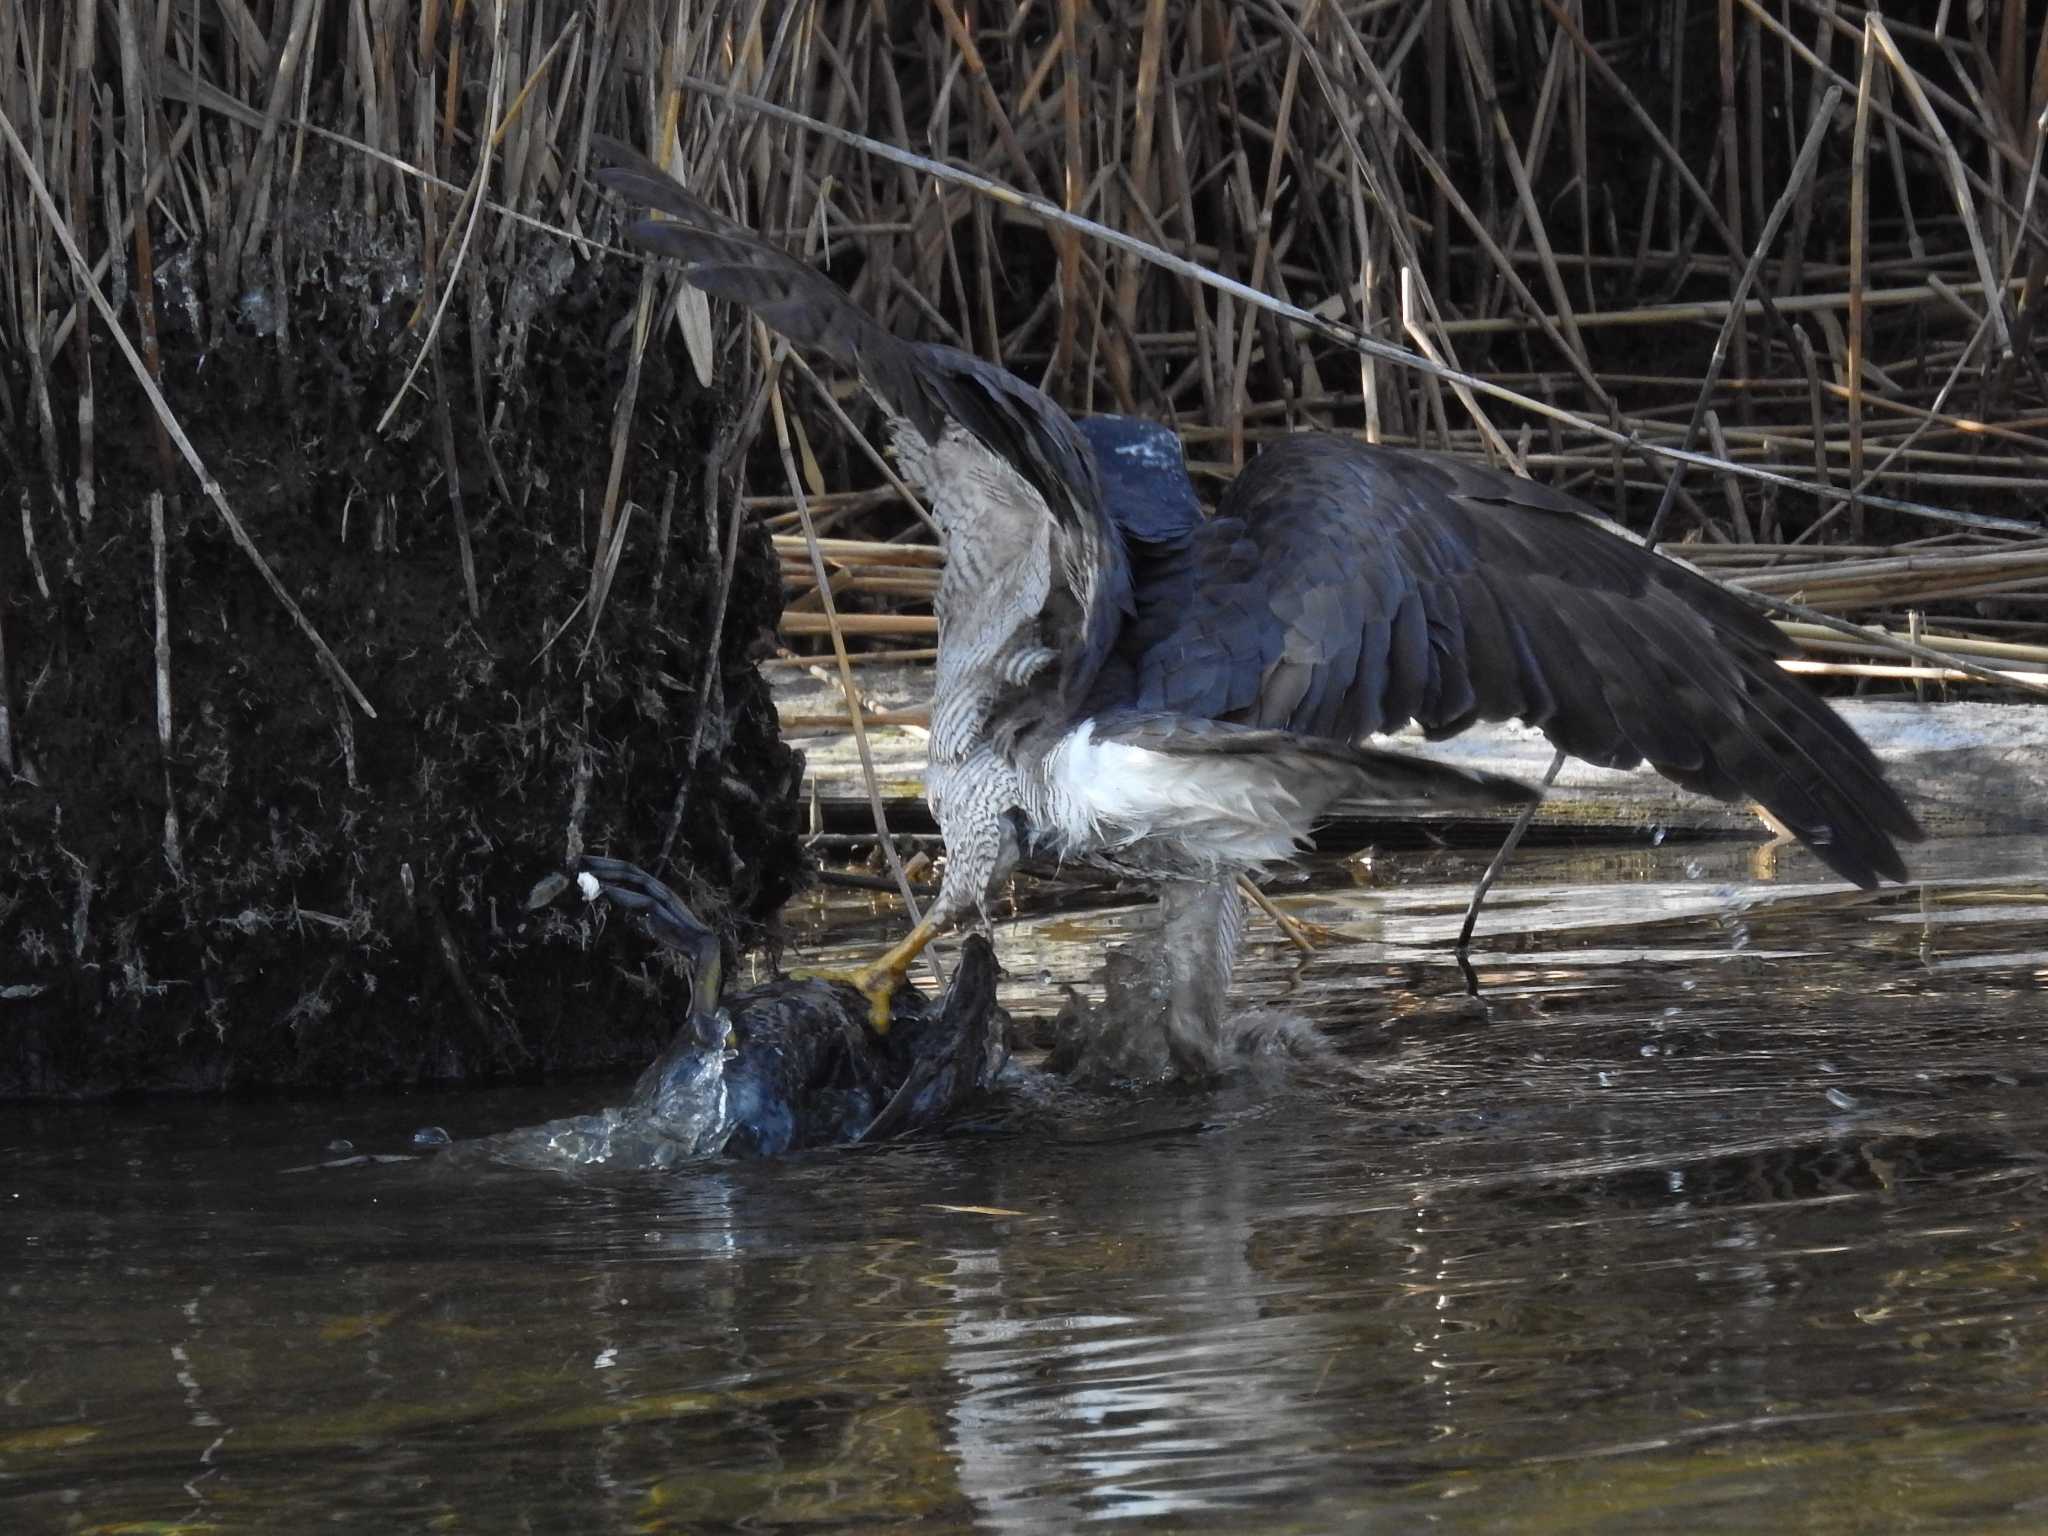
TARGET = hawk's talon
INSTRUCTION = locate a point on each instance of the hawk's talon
(877, 983)
(1304, 935)
(878, 980)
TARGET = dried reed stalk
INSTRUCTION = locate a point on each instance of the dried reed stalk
(1245, 219)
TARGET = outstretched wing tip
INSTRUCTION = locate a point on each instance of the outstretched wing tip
(1344, 588)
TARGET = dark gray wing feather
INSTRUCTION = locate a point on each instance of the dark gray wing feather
(728, 261)
(929, 388)
(1343, 590)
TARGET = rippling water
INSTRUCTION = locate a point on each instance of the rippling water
(1728, 1209)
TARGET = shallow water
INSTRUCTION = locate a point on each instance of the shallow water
(1727, 1209)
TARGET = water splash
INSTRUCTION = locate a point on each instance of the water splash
(680, 1110)
(1130, 1037)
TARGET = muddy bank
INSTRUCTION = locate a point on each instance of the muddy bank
(285, 892)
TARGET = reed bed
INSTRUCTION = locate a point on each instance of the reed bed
(1756, 274)
(372, 530)
(367, 552)
(1756, 278)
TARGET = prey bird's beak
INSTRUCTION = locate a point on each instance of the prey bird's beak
(673, 926)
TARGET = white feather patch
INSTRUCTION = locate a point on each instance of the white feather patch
(1226, 808)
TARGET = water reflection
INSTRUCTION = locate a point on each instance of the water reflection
(1186, 1398)
(1674, 1234)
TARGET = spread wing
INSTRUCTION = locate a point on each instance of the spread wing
(1343, 590)
(937, 397)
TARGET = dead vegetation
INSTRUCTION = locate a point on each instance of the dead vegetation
(1759, 276)
(359, 564)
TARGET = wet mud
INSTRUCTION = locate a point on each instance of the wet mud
(289, 893)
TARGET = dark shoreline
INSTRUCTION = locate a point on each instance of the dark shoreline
(290, 894)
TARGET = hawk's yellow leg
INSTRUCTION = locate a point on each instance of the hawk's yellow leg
(878, 980)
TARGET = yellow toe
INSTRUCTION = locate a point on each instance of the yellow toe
(877, 983)
(879, 986)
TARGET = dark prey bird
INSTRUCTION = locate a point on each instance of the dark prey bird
(793, 1063)
(1124, 682)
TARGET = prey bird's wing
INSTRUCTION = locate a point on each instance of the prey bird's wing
(959, 1055)
(1343, 590)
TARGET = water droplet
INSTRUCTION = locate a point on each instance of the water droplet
(341, 1146)
(1840, 1099)
(1658, 832)
(431, 1136)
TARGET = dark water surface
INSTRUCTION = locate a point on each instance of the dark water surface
(1730, 1213)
